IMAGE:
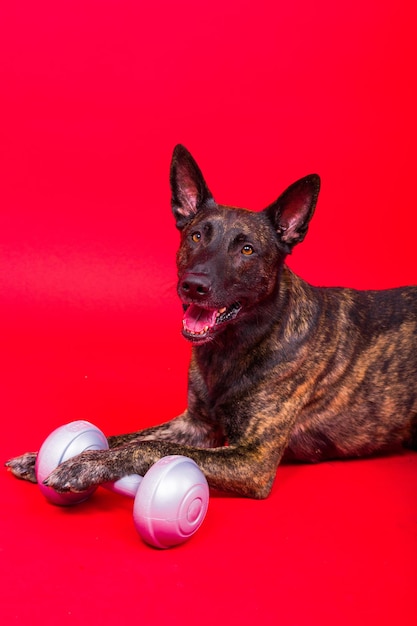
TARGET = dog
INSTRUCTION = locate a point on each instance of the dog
(280, 370)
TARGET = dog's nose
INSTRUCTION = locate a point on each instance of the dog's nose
(195, 286)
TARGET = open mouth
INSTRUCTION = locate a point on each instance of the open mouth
(199, 323)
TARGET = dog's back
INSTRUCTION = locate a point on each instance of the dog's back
(359, 358)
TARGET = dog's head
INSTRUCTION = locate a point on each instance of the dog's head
(229, 259)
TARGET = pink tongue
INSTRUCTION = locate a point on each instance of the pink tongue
(196, 318)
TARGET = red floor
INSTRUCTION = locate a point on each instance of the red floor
(93, 98)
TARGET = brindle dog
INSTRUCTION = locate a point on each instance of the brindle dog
(279, 369)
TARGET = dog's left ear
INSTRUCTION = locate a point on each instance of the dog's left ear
(188, 187)
(293, 210)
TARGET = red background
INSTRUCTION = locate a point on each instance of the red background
(93, 97)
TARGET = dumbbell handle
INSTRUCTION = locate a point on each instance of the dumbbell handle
(126, 486)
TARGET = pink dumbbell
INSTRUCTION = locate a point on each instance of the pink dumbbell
(171, 500)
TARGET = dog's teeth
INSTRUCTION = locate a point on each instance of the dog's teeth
(221, 311)
(205, 329)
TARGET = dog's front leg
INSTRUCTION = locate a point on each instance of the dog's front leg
(245, 471)
(23, 466)
(257, 427)
(184, 429)
(246, 467)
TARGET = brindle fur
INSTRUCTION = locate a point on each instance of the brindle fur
(301, 373)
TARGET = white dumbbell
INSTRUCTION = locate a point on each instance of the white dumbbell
(171, 500)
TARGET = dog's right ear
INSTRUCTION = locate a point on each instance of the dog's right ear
(188, 187)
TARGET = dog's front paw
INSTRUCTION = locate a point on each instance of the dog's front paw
(23, 466)
(79, 473)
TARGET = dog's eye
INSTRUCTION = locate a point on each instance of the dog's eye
(247, 250)
(196, 237)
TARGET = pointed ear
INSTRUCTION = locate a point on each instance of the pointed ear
(291, 213)
(188, 187)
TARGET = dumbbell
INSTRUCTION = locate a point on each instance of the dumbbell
(171, 500)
